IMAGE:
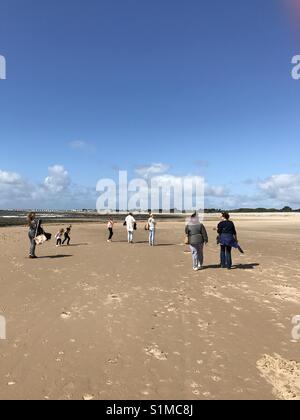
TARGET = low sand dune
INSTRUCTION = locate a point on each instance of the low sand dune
(118, 321)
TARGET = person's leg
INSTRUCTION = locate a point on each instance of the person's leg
(200, 255)
(194, 256)
(130, 237)
(69, 240)
(223, 256)
(152, 237)
(154, 234)
(32, 246)
(110, 234)
(228, 257)
(65, 238)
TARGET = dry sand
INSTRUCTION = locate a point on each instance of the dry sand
(118, 321)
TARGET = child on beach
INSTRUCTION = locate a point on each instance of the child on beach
(110, 227)
(59, 236)
(152, 229)
(67, 235)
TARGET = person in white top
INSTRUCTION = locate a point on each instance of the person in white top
(152, 229)
(130, 223)
(110, 227)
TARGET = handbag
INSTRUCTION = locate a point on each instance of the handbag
(40, 239)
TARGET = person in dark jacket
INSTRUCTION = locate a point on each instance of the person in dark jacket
(67, 237)
(197, 237)
(35, 229)
(227, 239)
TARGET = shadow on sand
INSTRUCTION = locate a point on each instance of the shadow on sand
(245, 266)
(71, 245)
(55, 256)
(234, 267)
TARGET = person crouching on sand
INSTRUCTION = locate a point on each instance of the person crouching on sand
(58, 237)
(152, 229)
(35, 229)
(67, 237)
(130, 224)
(197, 237)
(110, 227)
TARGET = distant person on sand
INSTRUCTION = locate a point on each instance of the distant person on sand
(110, 227)
(196, 238)
(67, 237)
(227, 239)
(130, 224)
(152, 229)
(35, 229)
(59, 236)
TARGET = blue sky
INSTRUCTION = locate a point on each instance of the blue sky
(199, 87)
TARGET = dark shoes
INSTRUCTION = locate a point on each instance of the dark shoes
(32, 257)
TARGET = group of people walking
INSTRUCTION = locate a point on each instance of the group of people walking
(196, 236)
(63, 236)
(131, 226)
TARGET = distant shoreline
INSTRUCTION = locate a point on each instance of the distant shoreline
(8, 219)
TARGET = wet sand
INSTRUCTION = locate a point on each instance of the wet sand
(118, 321)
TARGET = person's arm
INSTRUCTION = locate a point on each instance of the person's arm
(219, 228)
(187, 231)
(234, 232)
(204, 234)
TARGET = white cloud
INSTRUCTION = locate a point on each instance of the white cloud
(9, 178)
(151, 170)
(284, 188)
(80, 145)
(58, 180)
(216, 191)
(56, 191)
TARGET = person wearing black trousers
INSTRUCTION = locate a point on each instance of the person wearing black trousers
(227, 239)
(67, 237)
(110, 227)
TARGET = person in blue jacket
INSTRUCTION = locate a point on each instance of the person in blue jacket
(228, 239)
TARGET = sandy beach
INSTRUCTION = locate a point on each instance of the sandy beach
(117, 321)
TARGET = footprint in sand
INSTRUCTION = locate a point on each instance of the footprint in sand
(155, 352)
(283, 375)
(112, 298)
(65, 315)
